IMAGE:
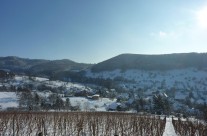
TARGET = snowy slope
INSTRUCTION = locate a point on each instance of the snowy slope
(182, 80)
(8, 99)
(188, 78)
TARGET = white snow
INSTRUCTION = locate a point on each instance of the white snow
(8, 99)
(181, 78)
(18, 78)
(113, 106)
(86, 104)
(44, 94)
(41, 79)
(169, 129)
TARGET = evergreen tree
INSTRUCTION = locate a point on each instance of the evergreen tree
(25, 100)
(139, 104)
(158, 104)
(204, 109)
(167, 106)
(36, 99)
(161, 104)
(67, 104)
(52, 98)
(59, 104)
(142, 103)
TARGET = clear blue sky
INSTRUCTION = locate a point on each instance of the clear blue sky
(95, 30)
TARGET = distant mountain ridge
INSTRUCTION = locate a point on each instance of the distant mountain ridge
(39, 66)
(153, 62)
(122, 62)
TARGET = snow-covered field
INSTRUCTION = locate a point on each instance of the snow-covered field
(177, 84)
(8, 99)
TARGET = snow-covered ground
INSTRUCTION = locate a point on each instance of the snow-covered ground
(178, 84)
(189, 77)
(8, 99)
(18, 80)
(88, 104)
(169, 129)
(182, 80)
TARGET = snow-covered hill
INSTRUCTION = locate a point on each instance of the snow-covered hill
(10, 90)
(183, 78)
(183, 81)
(184, 88)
